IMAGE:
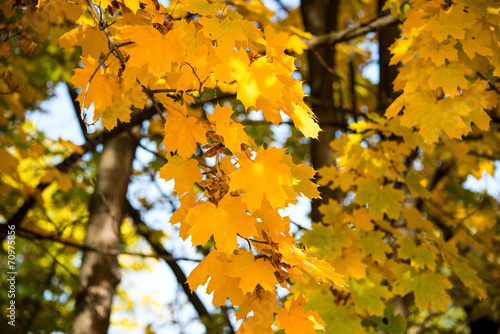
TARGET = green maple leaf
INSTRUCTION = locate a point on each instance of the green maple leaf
(390, 323)
(373, 244)
(368, 295)
(428, 287)
(380, 200)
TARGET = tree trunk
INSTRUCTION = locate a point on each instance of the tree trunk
(320, 17)
(386, 37)
(99, 273)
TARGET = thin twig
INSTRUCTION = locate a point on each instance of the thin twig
(103, 26)
(335, 37)
(153, 100)
(36, 235)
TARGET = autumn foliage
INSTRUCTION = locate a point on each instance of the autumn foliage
(401, 243)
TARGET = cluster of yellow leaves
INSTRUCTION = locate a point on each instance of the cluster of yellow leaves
(246, 214)
(449, 54)
(169, 63)
(365, 236)
(217, 49)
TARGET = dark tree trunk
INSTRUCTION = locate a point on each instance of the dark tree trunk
(387, 36)
(99, 273)
(320, 17)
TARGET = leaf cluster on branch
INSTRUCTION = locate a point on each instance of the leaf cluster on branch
(400, 242)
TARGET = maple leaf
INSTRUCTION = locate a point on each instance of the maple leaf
(223, 221)
(201, 273)
(324, 240)
(101, 90)
(350, 263)
(451, 22)
(152, 48)
(372, 242)
(203, 7)
(304, 119)
(438, 52)
(303, 175)
(449, 77)
(428, 287)
(263, 304)
(187, 202)
(389, 322)
(252, 272)
(233, 133)
(320, 270)
(214, 266)
(296, 320)
(266, 175)
(92, 40)
(331, 212)
(185, 173)
(477, 40)
(344, 320)
(182, 132)
(469, 277)
(385, 200)
(422, 109)
(270, 221)
(225, 32)
(369, 295)
(420, 256)
(361, 219)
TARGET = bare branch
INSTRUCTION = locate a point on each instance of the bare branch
(335, 37)
(28, 234)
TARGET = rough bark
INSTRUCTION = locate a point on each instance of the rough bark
(99, 273)
(320, 18)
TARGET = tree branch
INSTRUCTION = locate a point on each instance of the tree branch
(383, 20)
(28, 234)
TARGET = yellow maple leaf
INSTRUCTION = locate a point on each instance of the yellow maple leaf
(233, 133)
(450, 22)
(187, 202)
(270, 221)
(152, 48)
(215, 266)
(438, 52)
(263, 304)
(478, 39)
(203, 7)
(431, 115)
(185, 173)
(296, 320)
(266, 175)
(252, 272)
(182, 133)
(350, 262)
(225, 32)
(224, 222)
(450, 77)
(92, 40)
(101, 90)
